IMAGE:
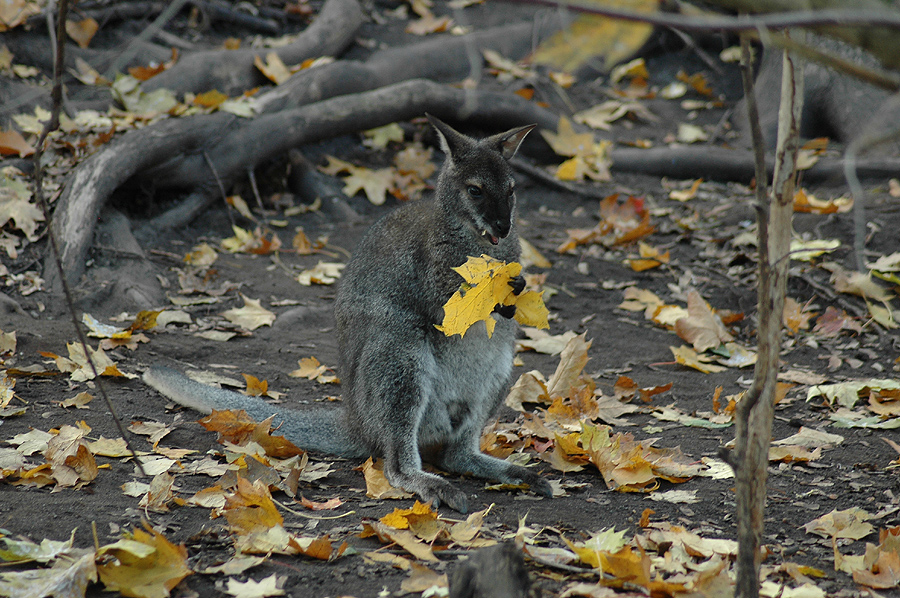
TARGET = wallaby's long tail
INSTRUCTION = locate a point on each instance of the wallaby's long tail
(316, 429)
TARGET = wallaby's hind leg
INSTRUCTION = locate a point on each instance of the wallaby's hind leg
(403, 469)
(402, 390)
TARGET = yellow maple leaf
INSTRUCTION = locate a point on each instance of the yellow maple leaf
(144, 563)
(486, 286)
(255, 386)
(566, 141)
(400, 518)
(374, 183)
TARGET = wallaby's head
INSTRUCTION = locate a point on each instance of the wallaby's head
(476, 181)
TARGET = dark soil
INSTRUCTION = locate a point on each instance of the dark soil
(589, 284)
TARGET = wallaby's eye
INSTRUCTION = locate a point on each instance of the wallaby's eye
(474, 191)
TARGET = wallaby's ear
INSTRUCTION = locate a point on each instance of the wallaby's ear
(508, 143)
(452, 141)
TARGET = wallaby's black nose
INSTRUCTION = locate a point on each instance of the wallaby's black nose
(502, 227)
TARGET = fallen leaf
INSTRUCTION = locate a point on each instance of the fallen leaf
(651, 257)
(251, 316)
(268, 586)
(80, 401)
(311, 369)
(429, 24)
(834, 321)
(796, 316)
(544, 342)
(697, 81)
(374, 183)
(846, 394)
(702, 327)
(377, 485)
(82, 32)
(688, 133)
(323, 273)
(850, 523)
(255, 386)
(16, 205)
(423, 580)
(592, 37)
(403, 538)
(380, 137)
(273, 68)
(686, 194)
(809, 438)
(805, 251)
(142, 563)
(808, 203)
(12, 143)
(688, 357)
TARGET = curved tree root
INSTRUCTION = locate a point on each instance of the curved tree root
(180, 152)
(232, 71)
(444, 59)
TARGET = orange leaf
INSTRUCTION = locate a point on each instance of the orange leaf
(329, 504)
(232, 425)
(255, 386)
(210, 99)
(82, 31)
(697, 81)
(12, 142)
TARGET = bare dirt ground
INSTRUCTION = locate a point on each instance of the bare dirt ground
(588, 285)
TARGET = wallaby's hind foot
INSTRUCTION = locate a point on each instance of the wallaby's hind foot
(428, 486)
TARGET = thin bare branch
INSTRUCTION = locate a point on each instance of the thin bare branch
(785, 20)
(52, 124)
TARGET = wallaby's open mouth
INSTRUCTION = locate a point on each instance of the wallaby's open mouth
(494, 240)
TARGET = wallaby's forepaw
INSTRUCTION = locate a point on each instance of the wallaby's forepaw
(507, 311)
(517, 283)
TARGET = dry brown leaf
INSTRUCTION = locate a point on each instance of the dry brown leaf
(82, 32)
(311, 369)
(251, 316)
(850, 523)
(403, 538)
(796, 316)
(688, 357)
(377, 485)
(702, 328)
(12, 143)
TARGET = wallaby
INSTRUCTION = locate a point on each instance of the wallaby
(409, 391)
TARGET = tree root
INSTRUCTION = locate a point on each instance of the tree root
(183, 152)
(232, 71)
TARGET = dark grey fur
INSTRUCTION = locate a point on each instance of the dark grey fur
(409, 391)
